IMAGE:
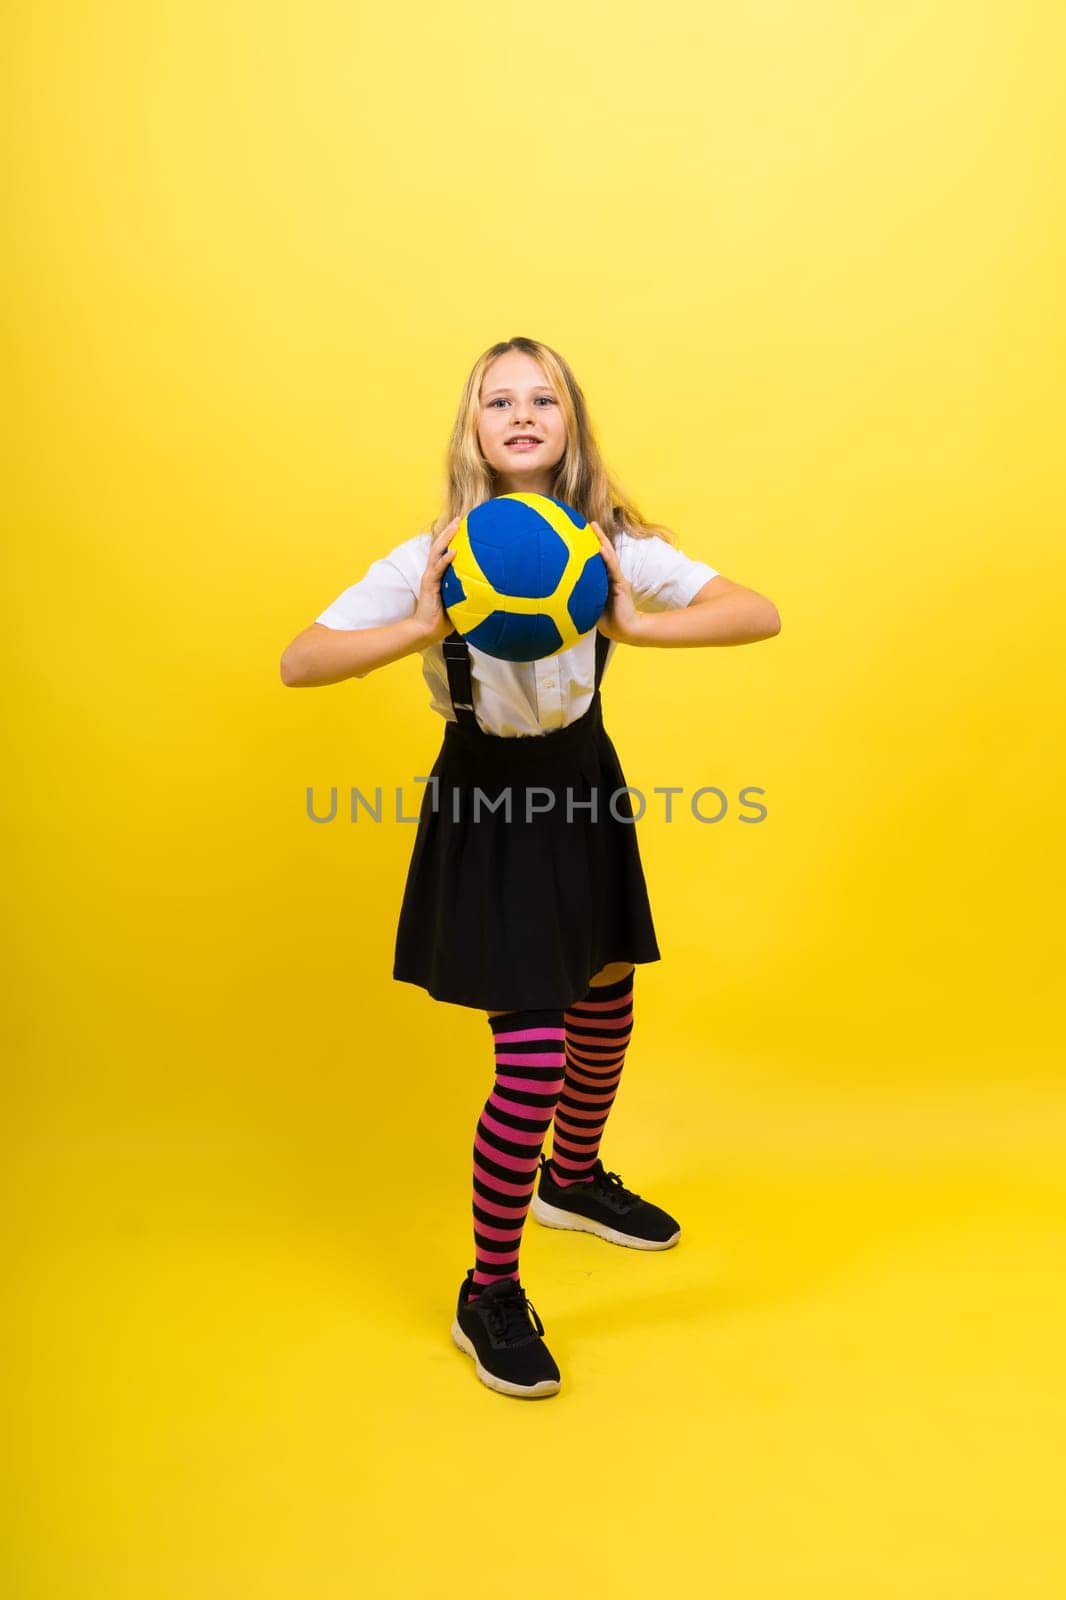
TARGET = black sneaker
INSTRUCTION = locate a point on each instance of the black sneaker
(495, 1329)
(604, 1207)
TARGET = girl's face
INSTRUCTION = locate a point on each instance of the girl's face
(517, 402)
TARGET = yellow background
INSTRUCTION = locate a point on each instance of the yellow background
(807, 261)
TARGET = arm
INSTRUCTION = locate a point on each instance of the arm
(321, 655)
(721, 612)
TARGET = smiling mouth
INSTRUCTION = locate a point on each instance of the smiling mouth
(522, 444)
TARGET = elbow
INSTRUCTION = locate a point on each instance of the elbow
(295, 675)
(757, 616)
(767, 618)
(290, 675)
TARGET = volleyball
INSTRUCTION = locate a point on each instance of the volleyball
(527, 579)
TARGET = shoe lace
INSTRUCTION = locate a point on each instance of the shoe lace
(610, 1183)
(508, 1313)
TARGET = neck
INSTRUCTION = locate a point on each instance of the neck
(505, 485)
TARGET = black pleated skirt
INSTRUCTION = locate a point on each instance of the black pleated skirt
(519, 914)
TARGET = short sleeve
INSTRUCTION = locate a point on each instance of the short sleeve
(662, 579)
(387, 592)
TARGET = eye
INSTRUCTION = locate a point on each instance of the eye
(502, 402)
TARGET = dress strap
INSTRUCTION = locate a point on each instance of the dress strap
(603, 644)
(457, 663)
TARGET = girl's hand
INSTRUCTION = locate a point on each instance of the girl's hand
(430, 612)
(621, 620)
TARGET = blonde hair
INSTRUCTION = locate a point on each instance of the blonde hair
(581, 478)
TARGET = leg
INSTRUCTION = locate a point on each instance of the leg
(608, 974)
(530, 1059)
(612, 972)
(598, 1030)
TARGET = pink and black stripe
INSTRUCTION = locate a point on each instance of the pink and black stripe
(598, 1030)
(530, 1062)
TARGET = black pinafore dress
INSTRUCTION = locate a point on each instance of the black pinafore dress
(518, 913)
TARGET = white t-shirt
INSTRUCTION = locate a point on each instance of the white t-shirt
(516, 698)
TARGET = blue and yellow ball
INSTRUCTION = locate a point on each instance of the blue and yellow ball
(527, 580)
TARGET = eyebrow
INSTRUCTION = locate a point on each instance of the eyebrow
(537, 386)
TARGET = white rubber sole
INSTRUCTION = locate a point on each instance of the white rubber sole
(536, 1391)
(553, 1217)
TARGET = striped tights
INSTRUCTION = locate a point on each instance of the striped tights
(550, 1063)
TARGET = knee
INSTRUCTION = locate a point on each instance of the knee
(614, 972)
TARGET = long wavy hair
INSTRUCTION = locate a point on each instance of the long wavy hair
(581, 478)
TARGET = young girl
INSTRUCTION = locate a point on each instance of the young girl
(534, 913)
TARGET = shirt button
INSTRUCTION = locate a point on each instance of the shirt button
(549, 683)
